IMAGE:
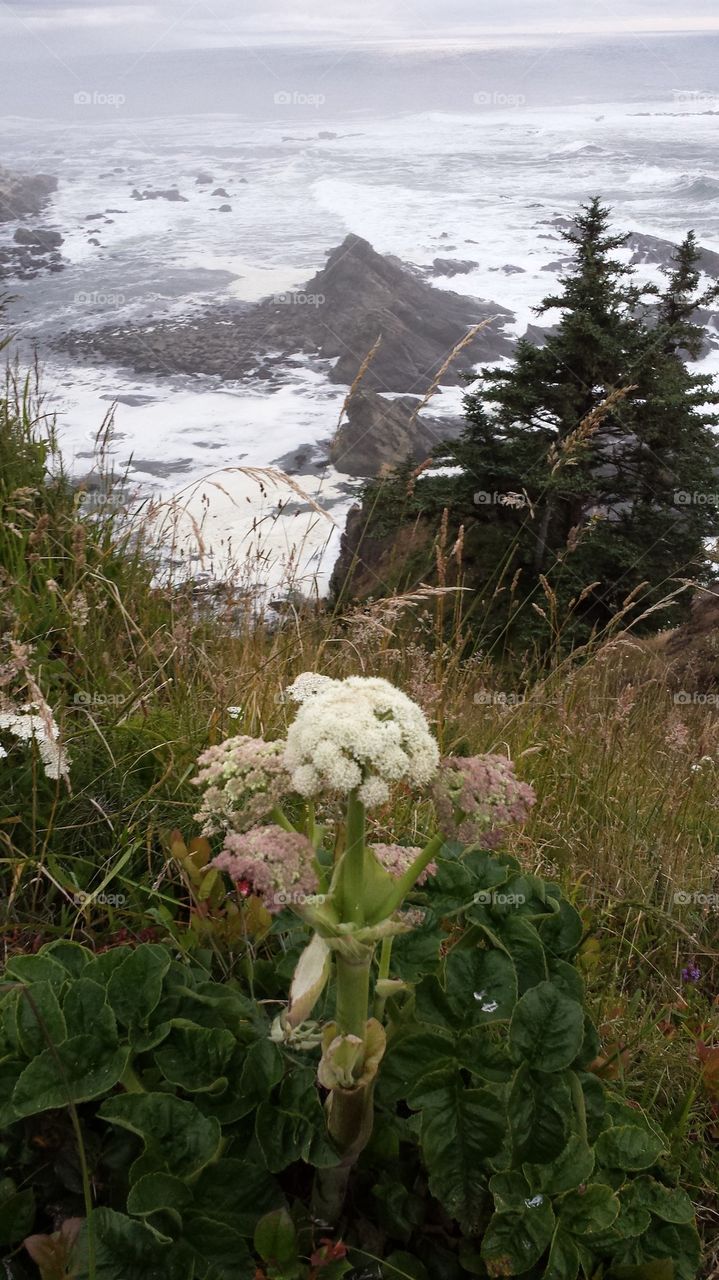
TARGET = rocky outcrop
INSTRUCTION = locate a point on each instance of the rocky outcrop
(356, 298)
(379, 434)
(24, 195)
(374, 562)
(453, 266)
(40, 238)
(170, 194)
(692, 651)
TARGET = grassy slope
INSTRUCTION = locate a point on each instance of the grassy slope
(140, 676)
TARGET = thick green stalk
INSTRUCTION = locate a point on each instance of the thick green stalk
(385, 957)
(352, 868)
(352, 995)
(407, 881)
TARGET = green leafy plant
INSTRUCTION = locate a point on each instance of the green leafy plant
(440, 1117)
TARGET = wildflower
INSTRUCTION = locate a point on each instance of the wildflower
(477, 798)
(692, 973)
(677, 734)
(42, 730)
(397, 858)
(244, 778)
(234, 712)
(271, 862)
(307, 685)
(359, 734)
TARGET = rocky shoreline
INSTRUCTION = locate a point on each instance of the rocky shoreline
(33, 249)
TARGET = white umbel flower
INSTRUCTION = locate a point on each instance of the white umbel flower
(308, 685)
(359, 734)
(45, 733)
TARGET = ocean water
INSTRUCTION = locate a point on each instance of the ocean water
(424, 153)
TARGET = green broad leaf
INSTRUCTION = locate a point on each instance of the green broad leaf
(484, 1052)
(628, 1147)
(410, 1055)
(71, 955)
(129, 1250)
(510, 1189)
(539, 1111)
(10, 1072)
(516, 1239)
(668, 1241)
(562, 931)
(672, 1204)
(415, 954)
(400, 1265)
(452, 886)
(220, 1245)
(591, 1044)
(481, 985)
(526, 949)
(631, 1221)
(86, 1011)
(17, 1213)
(275, 1238)
(432, 1006)
(563, 1260)
(177, 1137)
(573, 1166)
(101, 968)
(38, 1017)
(195, 1058)
(39, 968)
(292, 1127)
(238, 1192)
(156, 1192)
(82, 1068)
(588, 1210)
(567, 978)
(143, 1039)
(546, 1030)
(461, 1129)
(135, 986)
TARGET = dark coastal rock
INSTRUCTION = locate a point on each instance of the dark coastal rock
(220, 191)
(453, 266)
(224, 208)
(23, 195)
(203, 179)
(170, 194)
(39, 238)
(358, 296)
(380, 434)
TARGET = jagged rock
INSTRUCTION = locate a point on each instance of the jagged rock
(355, 297)
(202, 179)
(40, 238)
(23, 195)
(220, 191)
(453, 266)
(380, 434)
(224, 208)
(170, 194)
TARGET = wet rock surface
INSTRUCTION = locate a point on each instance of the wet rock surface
(358, 297)
(379, 434)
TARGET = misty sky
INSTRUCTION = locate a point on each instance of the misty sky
(30, 27)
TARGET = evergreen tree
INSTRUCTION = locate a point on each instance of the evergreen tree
(591, 458)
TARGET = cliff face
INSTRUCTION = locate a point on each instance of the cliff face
(372, 564)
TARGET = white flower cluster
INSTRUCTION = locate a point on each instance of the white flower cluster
(27, 727)
(357, 734)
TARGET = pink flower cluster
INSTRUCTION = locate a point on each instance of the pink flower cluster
(271, 862)
(396, 858)
(478, 797)
(244, 778)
